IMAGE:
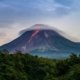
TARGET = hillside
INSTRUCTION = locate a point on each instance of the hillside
(42, 40)
(26, 67)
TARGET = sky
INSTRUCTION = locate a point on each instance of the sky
(17, 15)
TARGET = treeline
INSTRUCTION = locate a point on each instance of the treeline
(20, 66)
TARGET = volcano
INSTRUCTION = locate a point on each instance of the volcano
(42, 39)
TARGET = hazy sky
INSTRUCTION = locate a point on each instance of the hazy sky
(16, 15)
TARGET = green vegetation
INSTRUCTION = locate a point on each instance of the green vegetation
(20, 66)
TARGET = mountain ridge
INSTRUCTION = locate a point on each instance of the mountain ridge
(42, 40)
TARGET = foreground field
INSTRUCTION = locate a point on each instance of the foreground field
(20, 66)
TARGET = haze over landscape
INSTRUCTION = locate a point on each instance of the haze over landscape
(18, 15)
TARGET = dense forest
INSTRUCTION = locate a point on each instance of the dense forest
(19, 66)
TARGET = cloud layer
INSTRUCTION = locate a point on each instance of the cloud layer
(12, 11)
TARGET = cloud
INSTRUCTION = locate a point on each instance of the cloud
(22, 31)
(2, 34)
(19, 10)
(65, 2)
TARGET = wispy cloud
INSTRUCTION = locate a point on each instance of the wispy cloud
(13, 11)
(65, 2)
(2, 34)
